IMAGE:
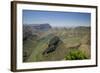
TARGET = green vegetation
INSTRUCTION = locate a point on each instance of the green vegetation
(76, 55)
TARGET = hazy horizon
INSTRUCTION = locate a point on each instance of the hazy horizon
(57, 19)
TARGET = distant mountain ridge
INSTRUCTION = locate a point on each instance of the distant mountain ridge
(44, 26)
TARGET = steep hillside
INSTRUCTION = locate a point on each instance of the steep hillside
(56, 44)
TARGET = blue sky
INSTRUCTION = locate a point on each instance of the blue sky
(56, 19)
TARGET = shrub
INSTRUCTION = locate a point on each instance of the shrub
(75, 55)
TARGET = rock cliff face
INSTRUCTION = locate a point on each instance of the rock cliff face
(32, 30)
(53, 44)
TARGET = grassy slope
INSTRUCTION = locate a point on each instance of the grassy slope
(37, 52)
